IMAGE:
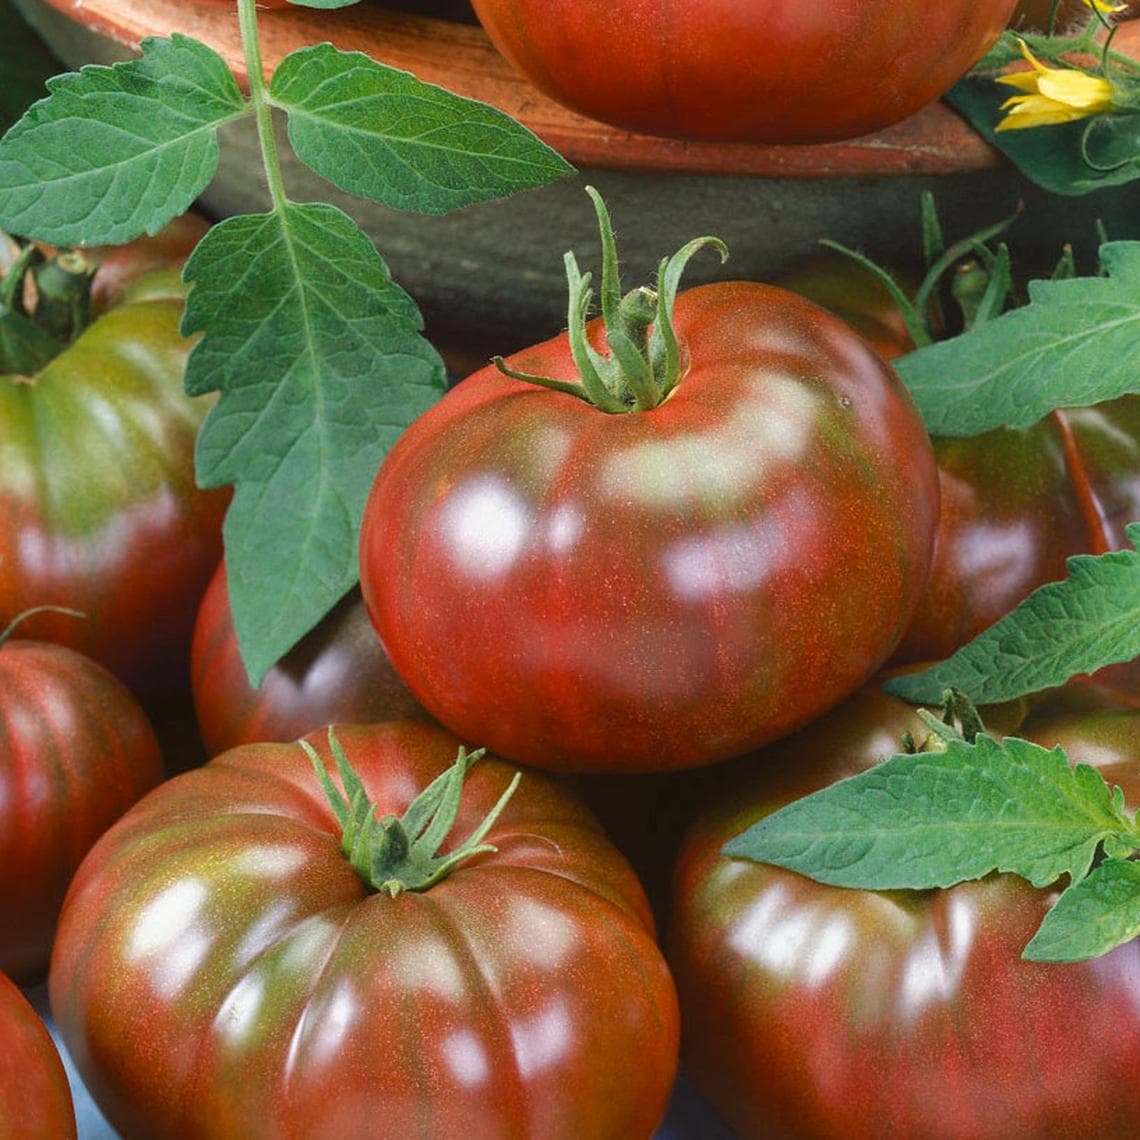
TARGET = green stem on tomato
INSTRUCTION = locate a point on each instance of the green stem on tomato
(259, 101)
(394, 854)
(644, 364)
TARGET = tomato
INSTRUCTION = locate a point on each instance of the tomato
(338, 672)
(222, 970)
(99, 511)
(76, 751)
(816, 1011)
(1013, 503)
(777, 71)
(35, 1098)
(656, 589)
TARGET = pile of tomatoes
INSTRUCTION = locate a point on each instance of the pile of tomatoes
(664, 594)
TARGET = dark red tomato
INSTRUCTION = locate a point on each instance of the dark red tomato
(99, 510)
(813, 1011)
(657, 589)
(35, 1099)
(75, 752)
(221, 970)
(338, 672)
(771, 71)
(1014, 504)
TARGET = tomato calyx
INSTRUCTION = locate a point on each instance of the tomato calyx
(646, 361)
(45, 303)
(394, 854)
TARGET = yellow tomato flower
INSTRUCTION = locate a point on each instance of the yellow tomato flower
(1105, 5)
(1053, 94)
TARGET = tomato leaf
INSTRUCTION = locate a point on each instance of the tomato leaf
(1092, 916)
(383, 134)
(1076, 625)
(934, 819)
(1054, 156)
(320, 362)
(1076, 343)
(114, 151)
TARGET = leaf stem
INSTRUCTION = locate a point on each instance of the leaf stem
(259, 100)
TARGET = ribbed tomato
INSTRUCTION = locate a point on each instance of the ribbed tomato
(35, 1098)
(223, 969)
(774, 71)
(99, 510)
(815, 1011)
(337, 673)
(76, 751)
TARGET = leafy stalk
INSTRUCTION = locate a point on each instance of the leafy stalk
(393, 853)
(644, 364)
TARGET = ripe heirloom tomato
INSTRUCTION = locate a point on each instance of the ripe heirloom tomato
(656, 587)
(222, 970)
(338, 672)
(99, 510)
(769, 71)
(35, 1098)
(1013, 503)
(76, 751)
(814, 1011)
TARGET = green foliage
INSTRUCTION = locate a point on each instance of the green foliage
(381, 133)
(1092, 916)
(1087, 620)
(1076, 343)
(25, 63)
(320, 363)
(113, 152)
(933, 819)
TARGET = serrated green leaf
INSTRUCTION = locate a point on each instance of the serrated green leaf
(320, 363)
(113, 152)
(383, 134)
(25, 63)
(1052, 156)
(938, 818)
(1092, 916)
(1076, 625)
(1075, 344)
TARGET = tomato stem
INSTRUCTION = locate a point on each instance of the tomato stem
(259, 99)
(644, 361)
(394, 854)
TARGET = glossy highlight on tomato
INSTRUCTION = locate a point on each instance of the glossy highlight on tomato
(657, 589)
(76, 751)
(767, 71)
(815, 1011)
(222, 970)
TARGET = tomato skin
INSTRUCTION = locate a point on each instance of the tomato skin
(663, 589)
(338, 672)
(35, 1098)
(219, 933)
(76, 751)
(820, 1012)
(771, 71)
(99, 510)
(1014, 504)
